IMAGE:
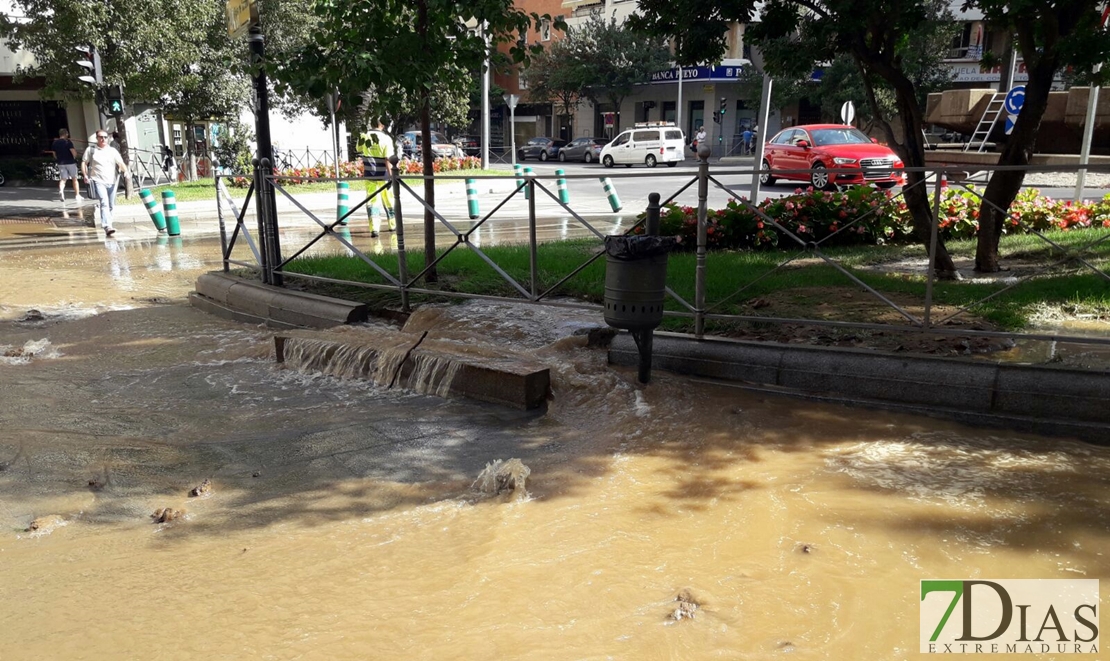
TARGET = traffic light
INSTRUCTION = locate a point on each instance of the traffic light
(716, 117)
(89, 61)
(724, 106)
(115, 99)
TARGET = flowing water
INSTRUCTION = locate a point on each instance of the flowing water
(344, 520)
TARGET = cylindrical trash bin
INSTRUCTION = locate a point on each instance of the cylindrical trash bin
(152, 209)
(635, 280)
(169, 204)
(472, 198)
(342, 201)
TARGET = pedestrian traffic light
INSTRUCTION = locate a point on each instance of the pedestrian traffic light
(89, 61)
(716, 117)
(115, 99)
(724, 106)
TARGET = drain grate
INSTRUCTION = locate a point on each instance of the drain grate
(27, 220)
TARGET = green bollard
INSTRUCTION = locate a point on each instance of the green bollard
(169, 203)
(614, 201)
(152, 208)
(527, 175)
(564, 194)
(518, 170)
(342, 206)
(472, 198)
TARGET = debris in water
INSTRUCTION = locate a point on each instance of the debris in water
(687, 606)
(805, 548)
(45, 524)
(786, 646)
(256, 474)
(33, 315)
(501, 476)
(95, 484)
(167, 514)
(202, 489)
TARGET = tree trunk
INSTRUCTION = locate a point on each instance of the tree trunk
(1005, 185)
(429, 189)
(912, 151)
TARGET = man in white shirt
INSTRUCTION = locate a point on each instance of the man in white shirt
(101, 166)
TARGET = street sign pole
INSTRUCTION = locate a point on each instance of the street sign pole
(1089, 126)
(511, 100)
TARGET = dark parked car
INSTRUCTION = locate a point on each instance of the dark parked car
(587, 150)
(471, 145)
(541, 148)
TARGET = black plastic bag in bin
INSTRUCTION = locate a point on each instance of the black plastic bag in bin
(638, 246)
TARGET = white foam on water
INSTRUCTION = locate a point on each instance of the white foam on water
(959, 471)
(641, 407)
(31, 350)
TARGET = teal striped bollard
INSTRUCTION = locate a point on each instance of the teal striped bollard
(151, 205)
(342, 201)
(518, 170)
(564, 194)
(169, 203)
(527, 175)
(472, 198)
(611, 193)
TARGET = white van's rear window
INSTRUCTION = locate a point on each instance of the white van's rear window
(674, 135)
(644, 136)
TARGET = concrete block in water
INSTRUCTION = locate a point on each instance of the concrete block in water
(397, 359)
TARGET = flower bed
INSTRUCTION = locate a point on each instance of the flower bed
(352, 169)
(864, 214)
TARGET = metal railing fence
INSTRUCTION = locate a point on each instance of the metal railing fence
(269, 262)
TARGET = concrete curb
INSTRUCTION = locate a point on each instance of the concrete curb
(236, 298)
(1032, 397)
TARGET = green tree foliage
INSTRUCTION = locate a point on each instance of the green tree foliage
(609, 59)
(394, 54)
(554, 77)
(1051, 35)
(887, 42)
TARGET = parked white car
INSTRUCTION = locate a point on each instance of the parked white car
(649, 143)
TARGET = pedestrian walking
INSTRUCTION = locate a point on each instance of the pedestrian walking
(66, 155)
(101, 166)
(376, 148)
(699, 137)
(747, 136)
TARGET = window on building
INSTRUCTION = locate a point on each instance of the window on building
(960, 43)
(545, 29)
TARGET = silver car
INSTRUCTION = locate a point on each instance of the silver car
(587, 150)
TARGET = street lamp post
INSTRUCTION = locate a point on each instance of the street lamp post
(511, 100)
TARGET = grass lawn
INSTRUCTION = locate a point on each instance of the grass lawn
(205, 188)
(807, 287)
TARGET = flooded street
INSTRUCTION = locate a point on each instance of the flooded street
(342, 524)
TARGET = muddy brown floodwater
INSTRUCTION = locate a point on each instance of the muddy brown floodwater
(683, 520)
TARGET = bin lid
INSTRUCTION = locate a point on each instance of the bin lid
(638, 246)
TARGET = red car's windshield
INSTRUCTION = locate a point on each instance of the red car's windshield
(846, 136)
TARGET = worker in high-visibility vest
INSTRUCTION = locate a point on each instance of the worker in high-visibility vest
(376, 147)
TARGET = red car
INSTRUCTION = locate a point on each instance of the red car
(840, 155)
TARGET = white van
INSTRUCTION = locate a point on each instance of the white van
(649, 143)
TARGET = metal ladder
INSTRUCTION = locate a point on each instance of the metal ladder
(986, 123)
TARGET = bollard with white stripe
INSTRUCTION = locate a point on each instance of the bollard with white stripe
(611, 192)
(518, 170)
(342, 201)
(564, 194)
(169, 203)
(151, 205)
(527, 175)
(472, 198)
